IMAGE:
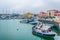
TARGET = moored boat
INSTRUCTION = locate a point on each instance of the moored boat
(34, 22)
(43, 30)
(24, 21)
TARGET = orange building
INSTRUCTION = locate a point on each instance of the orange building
(52, 13)
(42, 14)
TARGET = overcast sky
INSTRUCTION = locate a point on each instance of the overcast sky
(22, 6)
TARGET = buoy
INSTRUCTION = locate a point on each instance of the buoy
(17, 29)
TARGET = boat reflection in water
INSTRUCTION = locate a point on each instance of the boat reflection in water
(43, 37)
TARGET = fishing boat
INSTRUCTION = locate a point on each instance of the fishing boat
(43, 30)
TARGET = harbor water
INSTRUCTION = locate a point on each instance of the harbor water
(14, 30)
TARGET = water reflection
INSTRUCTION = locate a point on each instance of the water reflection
(44, 38)
(57, 31)
(58, 34)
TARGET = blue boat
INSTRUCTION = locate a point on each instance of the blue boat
(43, 31)
(33, 21)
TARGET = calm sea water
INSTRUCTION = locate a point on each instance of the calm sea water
(14, 30)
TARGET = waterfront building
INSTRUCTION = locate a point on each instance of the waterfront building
(43, 14)
(57, 14)
(52, 13)
(29, 15)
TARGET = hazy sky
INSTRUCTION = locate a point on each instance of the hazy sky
(22, 6)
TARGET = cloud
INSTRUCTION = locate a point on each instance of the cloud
(56, 1)
(38, 3)
(29, 5)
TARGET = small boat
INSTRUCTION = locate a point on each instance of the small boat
(32, 19)
(24, 21)
(43, 30)
(34, 22)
